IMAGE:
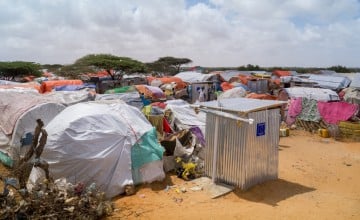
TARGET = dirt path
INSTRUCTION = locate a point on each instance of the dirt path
(318, 179)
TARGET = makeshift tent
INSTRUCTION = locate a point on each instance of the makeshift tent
(71, 97)
(280, 73)
(352, 95)
(355, 83)
(34, 86)
(227, 75)
(329, 82)
(310, 110)
(74, 87)
(122, 89)
(151, 91)
(166, 80)
(192, 77)
(130, 98)
(18, 118)
(48, 86)
(312, 93)
(237, 92)
(183, 116)
(103, 143)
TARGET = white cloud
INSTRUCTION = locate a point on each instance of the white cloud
(221, 33)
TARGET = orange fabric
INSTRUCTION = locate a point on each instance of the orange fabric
(280, 73)
(165, 80)
(261, 96)
(48, 86)
(143, 89)
(100, 74)
(226, 86)
(242, 79)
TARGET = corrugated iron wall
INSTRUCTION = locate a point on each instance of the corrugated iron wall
(258, 86)
(243, 158)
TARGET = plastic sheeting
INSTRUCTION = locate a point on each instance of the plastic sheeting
(91, 142)
(330, 82)
(352, 95)
(13, 104)
(27, 122)
(192, 77)
(236, 92)
(71, 97)
(131, 98)
(312, 93)
(185, 116)
(355, 83)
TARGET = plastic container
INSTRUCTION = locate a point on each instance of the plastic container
(324, 133)
(284, 132)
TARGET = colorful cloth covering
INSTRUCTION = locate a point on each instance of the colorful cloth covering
(295, 108)
(334, 112)
(309, 110)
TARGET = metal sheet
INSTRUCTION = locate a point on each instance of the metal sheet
(241, 104)
(243, 158)
(259, 86)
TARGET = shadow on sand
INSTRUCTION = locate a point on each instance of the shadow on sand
(273, 192)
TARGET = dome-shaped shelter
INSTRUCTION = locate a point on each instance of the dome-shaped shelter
(105, 143)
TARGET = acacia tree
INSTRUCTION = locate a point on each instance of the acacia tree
(110, 63)
(170, 65)
(10, 70)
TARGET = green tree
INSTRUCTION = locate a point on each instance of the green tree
(249, 67)
(52, 67)
(110, 63)
(170, 65)
(10, 70)
(339, 69)
(73, 71)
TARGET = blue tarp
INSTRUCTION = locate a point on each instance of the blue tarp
(74, 87)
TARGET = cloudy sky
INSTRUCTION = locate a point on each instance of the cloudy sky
(304, 33)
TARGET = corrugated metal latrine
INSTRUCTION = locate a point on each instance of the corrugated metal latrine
(247, 154)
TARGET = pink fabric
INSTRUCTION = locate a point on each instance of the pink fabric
(333, 112)
(295, 108)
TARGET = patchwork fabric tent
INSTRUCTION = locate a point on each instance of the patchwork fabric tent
(108, 143)
(18, 118)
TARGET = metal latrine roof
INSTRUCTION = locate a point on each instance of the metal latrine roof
(243, 105)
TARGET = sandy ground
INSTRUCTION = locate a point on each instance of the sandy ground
(318, 179)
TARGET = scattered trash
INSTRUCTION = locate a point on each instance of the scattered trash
(347, 164)
(196, 188)
(142, 196)
(178, 200)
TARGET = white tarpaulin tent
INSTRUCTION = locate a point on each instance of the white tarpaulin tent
(312, 93)
(96, 142)
(184, 116)
(237, 92)
(19, 110)
(192, 76)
